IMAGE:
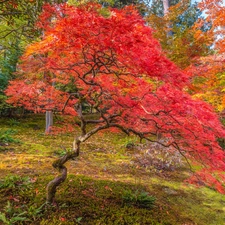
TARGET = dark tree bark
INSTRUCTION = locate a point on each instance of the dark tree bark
(59, 165)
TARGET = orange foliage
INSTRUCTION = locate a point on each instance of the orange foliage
(182, 42)
(215, 14)
(209, 84)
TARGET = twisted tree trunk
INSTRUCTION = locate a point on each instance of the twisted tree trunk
(59, 165)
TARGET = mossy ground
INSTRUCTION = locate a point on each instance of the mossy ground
(97, 180)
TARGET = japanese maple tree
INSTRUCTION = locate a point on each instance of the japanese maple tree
(116, 67)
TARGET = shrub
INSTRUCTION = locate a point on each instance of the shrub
(17, 215)
(4, 106)
(5, 136)
(15, 181)
(138, 198)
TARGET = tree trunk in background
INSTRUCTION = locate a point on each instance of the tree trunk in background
(49, 121)
(165, 6)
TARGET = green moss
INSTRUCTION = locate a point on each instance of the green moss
(38, 149)
(93, 192)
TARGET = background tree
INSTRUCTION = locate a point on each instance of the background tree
(8, 62)
(157, 6)
(120, 70)
(17, 20)
(17, 29)
(190, 36)
(209, 81)
(209, 71)
(215, 15)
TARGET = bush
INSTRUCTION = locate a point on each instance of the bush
(138, 198)
(16, 215)
(5, 136)
(15, 181)
(5, 108)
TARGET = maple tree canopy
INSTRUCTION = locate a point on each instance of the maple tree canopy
(110, 61)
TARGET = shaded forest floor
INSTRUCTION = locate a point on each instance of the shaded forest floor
(103, 185)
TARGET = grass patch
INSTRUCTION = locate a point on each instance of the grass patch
(104, 185)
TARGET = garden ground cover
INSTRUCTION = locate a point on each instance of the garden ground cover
(100, 181)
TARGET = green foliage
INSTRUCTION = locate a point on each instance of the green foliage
(221, 142)
(4, 106)
(19, 18)
(8, 61)
(5, 136)
(14, 215)
(78, 220)
(60, 152)
(9, 217)
(19, 210)
(33, 212)
(3, 81)
(130, 142)
(15, 181)
(138, 198)
(13, 122)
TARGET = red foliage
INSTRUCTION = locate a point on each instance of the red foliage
(116, 67)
